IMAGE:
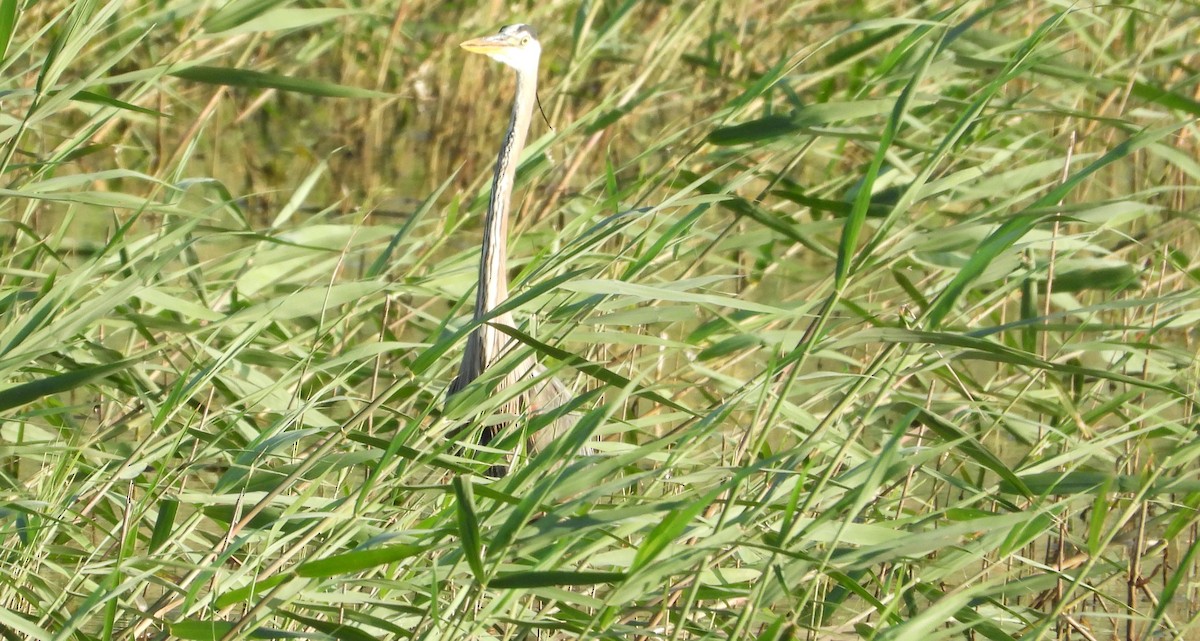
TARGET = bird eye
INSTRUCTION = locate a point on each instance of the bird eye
(524, 40)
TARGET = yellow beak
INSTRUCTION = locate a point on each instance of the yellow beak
(489, 44)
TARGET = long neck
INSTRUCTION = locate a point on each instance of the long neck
(493, 265)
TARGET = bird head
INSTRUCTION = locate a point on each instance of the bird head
(515, 45)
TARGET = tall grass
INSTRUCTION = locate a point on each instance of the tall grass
(884, 316)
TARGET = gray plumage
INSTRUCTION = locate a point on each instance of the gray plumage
(516, 46)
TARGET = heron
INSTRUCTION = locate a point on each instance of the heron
(516, 46)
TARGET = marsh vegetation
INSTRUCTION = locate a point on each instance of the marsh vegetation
(885, 313)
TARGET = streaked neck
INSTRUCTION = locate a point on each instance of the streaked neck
(493, 263)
